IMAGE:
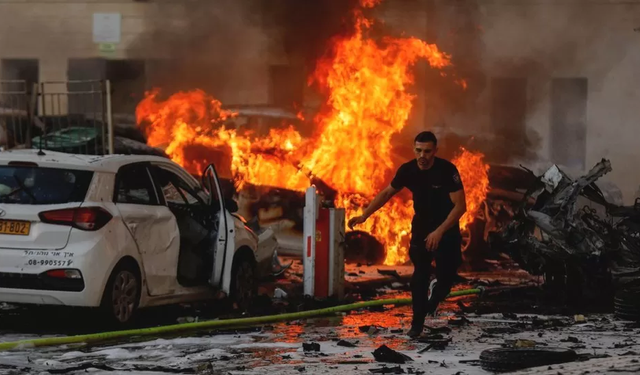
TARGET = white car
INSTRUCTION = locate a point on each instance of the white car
(120, 232)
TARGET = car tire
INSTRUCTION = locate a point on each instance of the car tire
(627, 304)
(362, 247)
(121, 296)
(243, 282)
(510, 359)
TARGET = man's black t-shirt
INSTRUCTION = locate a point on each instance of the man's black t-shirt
(430, 188)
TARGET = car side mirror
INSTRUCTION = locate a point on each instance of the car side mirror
(231, 205)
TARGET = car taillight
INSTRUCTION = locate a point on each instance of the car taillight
(85, 218)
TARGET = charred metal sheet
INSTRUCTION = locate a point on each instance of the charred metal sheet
(549, 235)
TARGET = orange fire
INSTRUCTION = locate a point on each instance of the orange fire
(368, 103)
(475, 178)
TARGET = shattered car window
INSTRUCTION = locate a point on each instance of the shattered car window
(134, 186)
(35, 185)
(171, 194)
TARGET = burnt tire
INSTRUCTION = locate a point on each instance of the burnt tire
(509, 359)
(362, 247)
(627, 304)
(121, 296)
(243, 282)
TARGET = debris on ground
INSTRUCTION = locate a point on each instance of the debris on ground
(393, 273)
(442, 329)
(509, 359)
(386, 354)
(458, 321)
(387, 370)
(501, 330)
(311, 347)
(577, 250)
(370, 329)
(346, 344)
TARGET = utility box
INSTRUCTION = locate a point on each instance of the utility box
(323, 257)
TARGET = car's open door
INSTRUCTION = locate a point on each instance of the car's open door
(224, 247)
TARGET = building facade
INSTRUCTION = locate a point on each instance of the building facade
(548, 81)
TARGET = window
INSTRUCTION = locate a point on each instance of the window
(508, 109)
(133, 185)
(33, 185)
(171, 193)
(569, 121)
(174, 189)
(26, 70)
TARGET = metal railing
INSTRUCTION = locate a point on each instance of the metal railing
(16, 113)
(66, 116)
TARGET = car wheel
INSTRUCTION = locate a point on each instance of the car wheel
(243, 285)
(511, 359)
(122, 295)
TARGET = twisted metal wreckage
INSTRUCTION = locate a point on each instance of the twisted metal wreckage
(592, 249)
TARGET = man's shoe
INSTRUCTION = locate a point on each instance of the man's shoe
(432, 286)
(414, 332)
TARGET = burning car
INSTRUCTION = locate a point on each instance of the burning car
(581, 251)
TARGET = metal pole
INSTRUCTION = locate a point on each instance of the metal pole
(309, 241)
(33, 104)
(43, 135)
(109, 116)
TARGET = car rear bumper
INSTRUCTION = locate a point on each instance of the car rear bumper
(23, 274)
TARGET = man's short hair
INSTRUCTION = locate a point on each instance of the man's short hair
(425, 137)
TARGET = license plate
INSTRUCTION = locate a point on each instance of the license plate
(20, 228)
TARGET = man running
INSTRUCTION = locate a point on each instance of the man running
(438, 203)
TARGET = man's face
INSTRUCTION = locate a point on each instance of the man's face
(425, 152)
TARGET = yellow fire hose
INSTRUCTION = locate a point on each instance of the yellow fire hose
(212, 324)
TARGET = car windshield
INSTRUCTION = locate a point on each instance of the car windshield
(34, 185)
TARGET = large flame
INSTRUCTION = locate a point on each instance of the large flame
(367, 104)
(475, 178)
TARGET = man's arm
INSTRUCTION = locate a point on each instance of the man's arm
(380, 200)
(459, 208)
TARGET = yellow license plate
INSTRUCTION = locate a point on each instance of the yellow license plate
(20, 228)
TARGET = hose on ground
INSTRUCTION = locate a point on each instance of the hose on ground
(213, 324)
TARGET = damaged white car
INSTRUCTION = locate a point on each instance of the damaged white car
(121, 232)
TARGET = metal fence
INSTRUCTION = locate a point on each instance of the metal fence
(66, 116)
(16, 112)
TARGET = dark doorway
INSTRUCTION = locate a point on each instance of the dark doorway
(127, 78)
(508, 112)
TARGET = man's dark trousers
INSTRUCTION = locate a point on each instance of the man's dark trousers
(448, 258)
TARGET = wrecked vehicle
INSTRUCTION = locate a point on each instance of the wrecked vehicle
(120, 233)
(579, 251)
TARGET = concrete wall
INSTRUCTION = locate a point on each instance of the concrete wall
(224, 50)
(55, 31)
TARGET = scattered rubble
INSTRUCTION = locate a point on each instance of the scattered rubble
(509, 359)
(311, 347)
(578, 251)
(386, 354)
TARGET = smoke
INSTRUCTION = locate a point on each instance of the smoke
(306, 27)
(217, 46)
(534, 41)
(228, 47)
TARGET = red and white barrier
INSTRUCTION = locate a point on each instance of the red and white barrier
(323, 258)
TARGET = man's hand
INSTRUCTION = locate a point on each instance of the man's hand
(433, 240)
(356, 220)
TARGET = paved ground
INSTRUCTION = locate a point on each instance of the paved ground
(279, 348)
